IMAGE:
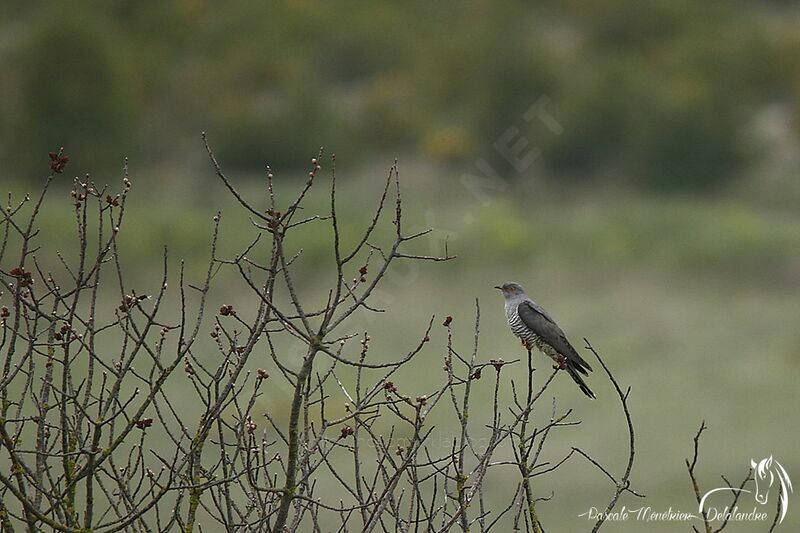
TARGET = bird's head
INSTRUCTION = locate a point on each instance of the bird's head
(510, 289)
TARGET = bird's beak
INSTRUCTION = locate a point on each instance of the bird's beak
(498, 287)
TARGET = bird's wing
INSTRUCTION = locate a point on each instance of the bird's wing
(545, 327)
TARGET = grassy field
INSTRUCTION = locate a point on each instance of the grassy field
(692, 301)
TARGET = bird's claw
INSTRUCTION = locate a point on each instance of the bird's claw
(561, 363)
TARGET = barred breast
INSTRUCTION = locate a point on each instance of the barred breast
(519, 328)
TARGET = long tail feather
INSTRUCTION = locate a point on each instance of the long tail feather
(579, 380)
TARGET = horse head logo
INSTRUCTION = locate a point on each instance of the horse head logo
(767, 472)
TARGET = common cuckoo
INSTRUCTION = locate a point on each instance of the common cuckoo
(531, 323)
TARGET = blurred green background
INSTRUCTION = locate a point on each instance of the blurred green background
(655, 208)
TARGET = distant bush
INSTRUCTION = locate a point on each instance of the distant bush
(72, 89)
(654, 95)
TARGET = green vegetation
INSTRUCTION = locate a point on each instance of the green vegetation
(659, 94)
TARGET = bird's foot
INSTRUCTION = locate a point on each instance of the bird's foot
(526, 344)
(561, 363)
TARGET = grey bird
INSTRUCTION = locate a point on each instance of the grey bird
(531, 323)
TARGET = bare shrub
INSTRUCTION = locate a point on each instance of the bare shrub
(89, 402)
